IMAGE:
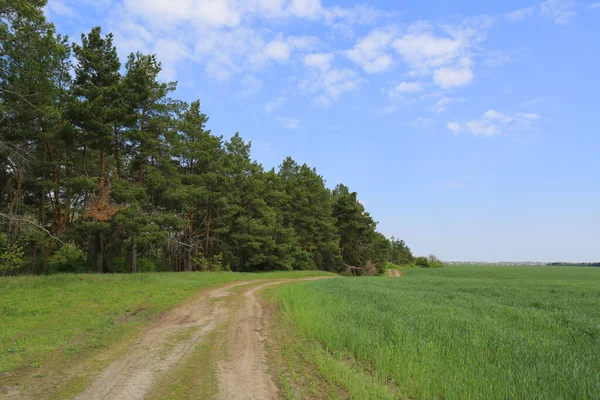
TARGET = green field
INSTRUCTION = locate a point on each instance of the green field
(43, 317)
(462, 332)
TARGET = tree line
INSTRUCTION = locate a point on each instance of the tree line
(103, 170)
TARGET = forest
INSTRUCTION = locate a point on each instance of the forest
(102, 170)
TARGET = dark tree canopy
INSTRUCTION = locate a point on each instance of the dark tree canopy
(102, 170)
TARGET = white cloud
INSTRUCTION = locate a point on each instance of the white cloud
(227, 53)
(326, 82)
(423, 51)
(289, 123)
(454, 127)
(440, 105)
(370, 52)
(319, 60)
(493, 122)
(278, 50)
(61, 8)
(310, 9)
(357, 15)
(520, 15)
(482, 127)
(559, 11)
(222, 35)
(330, 84)
(275, 104)
(406, 87)
(303, 42)
(594, 5)
(449, 77)
(448, 57)
(162, 13)
(493, 115)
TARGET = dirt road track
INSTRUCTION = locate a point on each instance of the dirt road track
(394, 273)
(242, 375)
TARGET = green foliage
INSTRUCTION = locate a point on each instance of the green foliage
(461, 332)
(65, 257)
(11, 258)
(400, 253)
(103, 158)
(214, 263)
(434, 262)
(360, 243)
(422, 262)
(307, 209)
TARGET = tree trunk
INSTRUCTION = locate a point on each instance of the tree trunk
(46, 257)
(57, 225)
(187, 261)
(102, 168)
(141, 173)
(141, 164)
(83, 162)
(33, 262)
(117, 162)
(69, 194)
(133, 255)
(98, 252)
(108, 267)
(207, 246)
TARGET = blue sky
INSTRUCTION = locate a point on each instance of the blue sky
(468, 128)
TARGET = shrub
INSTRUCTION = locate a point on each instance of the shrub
(65, 258)
(214, 263)
(435, 262)
(422, 262)
(10, 259)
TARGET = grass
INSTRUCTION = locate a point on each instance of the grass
(461, 332)
(43, 318)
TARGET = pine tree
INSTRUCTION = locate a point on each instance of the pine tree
(110, 164)
(257, 239)
(358, 239)
(308, 211)
(94, 112)
(199, 194)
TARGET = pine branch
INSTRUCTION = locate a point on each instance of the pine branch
(19, 219)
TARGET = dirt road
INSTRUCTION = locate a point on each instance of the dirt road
(243, 374)
(394, 273)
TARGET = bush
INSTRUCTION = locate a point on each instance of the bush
(214, 263)
(69, 258)
(422, 262)
(10, 259)
(435, 262)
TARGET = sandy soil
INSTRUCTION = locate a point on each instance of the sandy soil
(132, 375)
(243, 374)
(394, 273)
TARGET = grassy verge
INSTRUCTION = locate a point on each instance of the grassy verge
(54, 318)
(455, 333)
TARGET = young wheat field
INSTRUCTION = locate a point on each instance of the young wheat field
(461, 332)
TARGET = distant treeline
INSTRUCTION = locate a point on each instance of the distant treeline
(102, 170)
(573, 264)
